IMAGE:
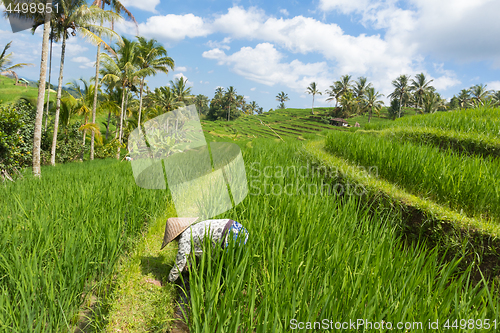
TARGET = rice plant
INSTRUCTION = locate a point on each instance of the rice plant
(480, 120)
(313, 257)
(61, 235)
(468, 183)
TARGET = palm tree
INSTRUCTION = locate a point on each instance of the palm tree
(230, 96)
(78, 17)
(479, 93)
(420, 86)
(361, 87)
(84, 107)
(432, 101)
(181, 91)
(464, 98)
(164, 100)
(117, 7)
(334, 93)
(372, 101)
(37, 137)
(496, 98)
(401, 91)
(152, 58)
(6, 66)
(344, 84)
(121, 68)
(348, 102)
(253, 107)
(201, 101)
(313, 90)
(282, 98)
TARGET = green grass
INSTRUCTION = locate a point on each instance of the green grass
(481, 120)
(65, 232)
(468, 183)
(313, 256)
(466, 142)
(10, 93)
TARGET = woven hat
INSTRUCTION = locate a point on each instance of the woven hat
(175, 226)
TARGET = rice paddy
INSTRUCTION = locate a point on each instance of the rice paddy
(315, 259)
(469, 183)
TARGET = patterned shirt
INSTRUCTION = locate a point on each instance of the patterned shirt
(198, 230)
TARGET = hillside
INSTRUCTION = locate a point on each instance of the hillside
(285, 124)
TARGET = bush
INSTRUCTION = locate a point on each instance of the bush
(17, 126)
(108, 150)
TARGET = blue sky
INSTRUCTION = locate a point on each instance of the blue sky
(262, 47)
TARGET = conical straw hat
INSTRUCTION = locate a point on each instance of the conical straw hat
(175, 226)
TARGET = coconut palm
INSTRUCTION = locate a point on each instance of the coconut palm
(419, 87)
(230, 96)
(6, 66)
(361, 86)
(181, 91)
(479, 93)
(37, 135)
(334, 93)
(164, 100)
(253, 107)
(464, 98)
(85, 100)
(372, 101)
(401, 91)
(152, 58)
(76, 16)
(121, 69)
(118, 8)
(282, 98)
(344, 84)
(313, 90)
(495, 96)
(432, 101)
(348, 102)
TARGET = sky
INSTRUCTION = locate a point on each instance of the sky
(262, 48)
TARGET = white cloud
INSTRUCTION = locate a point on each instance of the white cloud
(81, 59)
(180, 68)
(146, 5)
(264, 64)
(210, 71)
(253, 89)
(220, 45)
(168, 27)
(493, 85)
(284, 12)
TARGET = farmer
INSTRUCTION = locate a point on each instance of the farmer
(185, 228)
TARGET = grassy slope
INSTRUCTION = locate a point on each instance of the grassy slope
(11, 93)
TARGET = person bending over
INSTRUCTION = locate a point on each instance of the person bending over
(185, 228)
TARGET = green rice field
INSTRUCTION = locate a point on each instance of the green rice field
(316, 258)
(471, 183)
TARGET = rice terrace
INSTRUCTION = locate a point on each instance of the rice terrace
(358, 212)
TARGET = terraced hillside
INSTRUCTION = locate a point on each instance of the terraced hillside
(280, 124)
(441, 169)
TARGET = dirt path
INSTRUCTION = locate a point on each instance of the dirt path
(142, 299)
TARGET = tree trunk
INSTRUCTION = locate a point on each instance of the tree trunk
(229, 112)
(37, 137)
(370, 115)
(119, 132)
(48, 90)
(96, 90)
(58, 103)
(312, 107)
(140, 104)
(107, 125)
(400, 102)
